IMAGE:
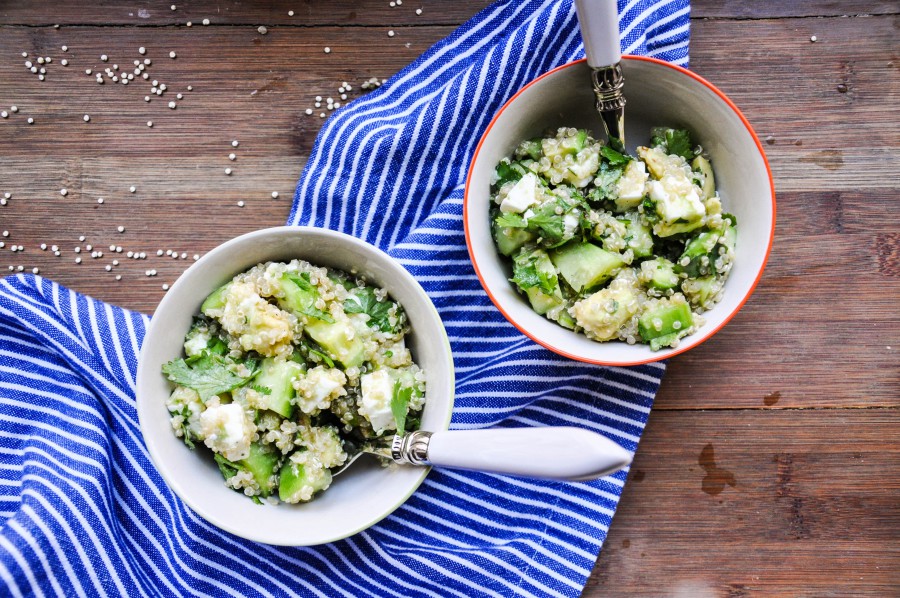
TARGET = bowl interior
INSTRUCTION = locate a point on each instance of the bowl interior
(657, 94)
(362, 495)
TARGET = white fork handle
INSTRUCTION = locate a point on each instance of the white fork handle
(560, 453)
(599, 21)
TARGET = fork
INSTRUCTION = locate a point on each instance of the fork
(557, 453)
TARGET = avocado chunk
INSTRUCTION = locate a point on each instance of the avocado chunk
(659, 273)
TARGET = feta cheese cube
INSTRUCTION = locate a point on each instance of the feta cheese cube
(522, 195)
(226, 430)
(631, 184)
(375, 403)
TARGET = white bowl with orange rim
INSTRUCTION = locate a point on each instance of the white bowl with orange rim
(658, 94)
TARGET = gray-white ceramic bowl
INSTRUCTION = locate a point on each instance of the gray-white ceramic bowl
(365, 493)
(658, 94)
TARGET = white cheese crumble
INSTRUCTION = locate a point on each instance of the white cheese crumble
(523, 195)
(375, 402)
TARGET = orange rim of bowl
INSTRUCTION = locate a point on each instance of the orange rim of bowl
(709, 333)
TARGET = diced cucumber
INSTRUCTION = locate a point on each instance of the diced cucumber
(565, 319)
(297, 299)
(510, 240)
(584, 265)
(531, 267)
(261, 463)
(638, 237)
(541, 302)
(657, 324)
(701, 291)
(299, 482)
(532, 147)
(691, 260)
(216, 299)
(278, 377)
(702, 165)
(339, 339)
(659, 274)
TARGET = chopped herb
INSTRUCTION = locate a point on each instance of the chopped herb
(526, 274)
(364, 301)
(208, 374)
(606, 180)
(613, 156)
(511, 220)
(673, 141)
(400, 405)
(263, 390)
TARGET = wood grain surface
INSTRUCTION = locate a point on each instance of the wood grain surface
(770, 463)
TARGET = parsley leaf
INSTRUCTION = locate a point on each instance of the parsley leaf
(606, 181)
(400, 405)
(673, 141)
(208, 375)
(528, 274)
(363, 301)
(263, 390)
(511, 220)
(508, 171)
(613, 156)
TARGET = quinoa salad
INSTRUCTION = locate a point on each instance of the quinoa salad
(616, 247)
(288, 371)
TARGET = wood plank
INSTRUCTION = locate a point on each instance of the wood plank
(156, 13)
(817, 137)
(369, 12)
(245, 86)
(813, 510)
(741, 9)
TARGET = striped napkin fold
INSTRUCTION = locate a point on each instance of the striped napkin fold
(83, 510)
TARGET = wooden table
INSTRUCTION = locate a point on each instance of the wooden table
(771, 461)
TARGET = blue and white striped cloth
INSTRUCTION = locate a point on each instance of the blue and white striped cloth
(83, 510)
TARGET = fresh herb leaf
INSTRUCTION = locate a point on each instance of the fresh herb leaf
(650, 214)
(209, 375)
(527, 274)
(400, 404)
(263, 390)
(228, 469)
(606, 180)
(185, 414)
(511, 220)
(363, 301)
(613, 156)
(673, 141)
(316, 350)
(508, 171)
(548, 224)
(217, 346)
